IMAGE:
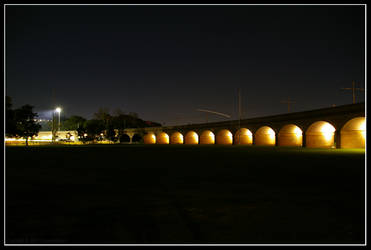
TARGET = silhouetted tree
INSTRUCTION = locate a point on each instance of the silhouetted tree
(94, 128)
(74, 122)
(26, 125)
(10, 125)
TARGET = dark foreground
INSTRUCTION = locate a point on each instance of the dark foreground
(183, 194)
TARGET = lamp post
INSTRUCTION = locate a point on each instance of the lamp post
(59, 110)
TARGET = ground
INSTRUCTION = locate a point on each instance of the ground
(149, 194)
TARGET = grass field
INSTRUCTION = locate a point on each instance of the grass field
(149, 194)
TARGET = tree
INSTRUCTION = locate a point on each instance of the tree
(94, 128)
(26, 125)
(10, 125)
(74, 122)
(119, 123)
(102, 114)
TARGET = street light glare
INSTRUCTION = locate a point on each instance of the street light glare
(58, 110)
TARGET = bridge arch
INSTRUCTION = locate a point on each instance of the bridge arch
(320, 134)
(136, 138)
(124, 138)
(290, 135)
(149, 138)
(224, 137)
(162, 138)
(265, 136)
(176, 138)
(191, 137)
(207, 137)
(243, 136)
(353, 133)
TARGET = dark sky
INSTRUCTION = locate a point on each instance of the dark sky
(164, 62)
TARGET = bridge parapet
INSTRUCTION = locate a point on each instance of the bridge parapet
(336, 116)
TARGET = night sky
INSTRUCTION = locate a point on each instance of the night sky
(164, 62)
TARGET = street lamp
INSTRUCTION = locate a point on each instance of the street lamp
(59, 110)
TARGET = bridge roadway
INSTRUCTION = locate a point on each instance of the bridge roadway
(335, 116)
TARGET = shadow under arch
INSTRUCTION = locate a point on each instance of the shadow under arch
(136, 138)
(124, 138)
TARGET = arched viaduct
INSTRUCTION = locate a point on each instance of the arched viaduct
(340, 127)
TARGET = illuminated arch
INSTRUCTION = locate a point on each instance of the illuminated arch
(224, 137)
(290, 135)
(353, 133)
(162, 138)
(191, 138)
(243, 137)
(149, 138)
(207, 137)
(176, 138)
(320, 134)
(265, 136)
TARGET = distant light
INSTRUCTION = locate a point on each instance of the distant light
(58, 110)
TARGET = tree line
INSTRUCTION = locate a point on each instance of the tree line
(22, 123)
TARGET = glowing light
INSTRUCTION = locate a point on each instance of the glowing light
(265, 136)
(243, 136)
(225, 137)
(327, 128)
(353, 133)
(249, 134)
(271, 133)
(191, 138)
(362, 126)
(149, 138)
(207, 137)
(327, 131)
(58, 110)
(176, 138)
(297, 131)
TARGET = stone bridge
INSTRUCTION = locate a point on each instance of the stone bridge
(340, 127)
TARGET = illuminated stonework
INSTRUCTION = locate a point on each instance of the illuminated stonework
(191, 138)
(353, 133)
(290, 135)
(162, 138)
(224, 137)
(320, 134)
(207, 137)
(149, 138)
(265, 136)
(243, 137)
(176, 138)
